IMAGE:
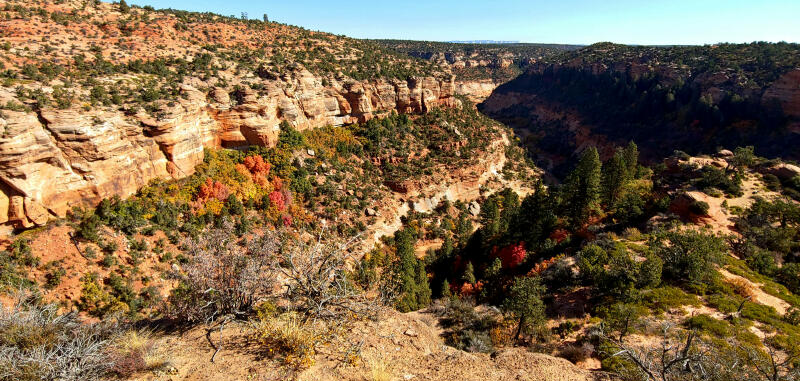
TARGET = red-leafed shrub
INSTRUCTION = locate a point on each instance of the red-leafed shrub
(559, 235)
(213, 189)
(287, 220)
(513, 255)
(278, 200)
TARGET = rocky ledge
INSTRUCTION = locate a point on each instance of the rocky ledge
(53, 160)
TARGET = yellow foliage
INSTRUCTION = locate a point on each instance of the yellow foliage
(214, 206)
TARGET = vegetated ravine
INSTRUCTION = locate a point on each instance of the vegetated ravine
(695, 99)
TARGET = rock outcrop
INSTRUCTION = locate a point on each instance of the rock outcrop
(53, 160)
(786, 91)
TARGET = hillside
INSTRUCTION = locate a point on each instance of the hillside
(694, 99)
(99, 99)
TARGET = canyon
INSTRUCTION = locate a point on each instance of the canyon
(606, 95)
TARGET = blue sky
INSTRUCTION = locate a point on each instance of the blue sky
(553, 21)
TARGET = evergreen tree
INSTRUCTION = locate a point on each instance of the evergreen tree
(490, 217)
(583, 188)
(511, 204)
(407, 272)
(423, 289)
(524, 302)
(615, 174)
(469, 274)
(463, 229)
(446, 293)
(535, 220)
(630, 156)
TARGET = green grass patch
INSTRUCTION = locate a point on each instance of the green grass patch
(664, 298)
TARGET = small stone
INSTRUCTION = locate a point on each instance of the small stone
(311, 152)
(411, 333)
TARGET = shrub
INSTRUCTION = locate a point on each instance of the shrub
(699, 208)
(664, 298)
(705, 323)
(220, 279)
(576, 352)
(689, 256)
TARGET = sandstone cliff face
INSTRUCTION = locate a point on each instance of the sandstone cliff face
(476, 91)
(786, 92)
(56, 159)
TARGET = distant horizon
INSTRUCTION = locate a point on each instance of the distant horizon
(570, 22)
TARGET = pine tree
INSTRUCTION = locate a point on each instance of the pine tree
(490, 217)
(446, 293)
(423, 288)
(525, 303)
(615, 174)
(406, 271)
(469, 274)
(630, 156)
(583, 187)
(535, 220)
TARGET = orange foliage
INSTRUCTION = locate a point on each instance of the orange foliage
(213, 189)
(543, 265)
(559, 235)
(471, 289)
(256, 165)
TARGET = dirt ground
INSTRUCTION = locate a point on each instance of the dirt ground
(396, 347)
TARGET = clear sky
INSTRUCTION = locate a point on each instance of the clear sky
(547, 21)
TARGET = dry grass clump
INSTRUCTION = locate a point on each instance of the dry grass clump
(577, 352)
(632, 234)
(136, 351)
(378, 369)
(38, 343)
(285, 337)
(741, 287)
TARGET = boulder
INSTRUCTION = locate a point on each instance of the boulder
(783, 171)
(474, 208)
(725, 153)
(35, 212)
(370, 212)
(4, 201)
